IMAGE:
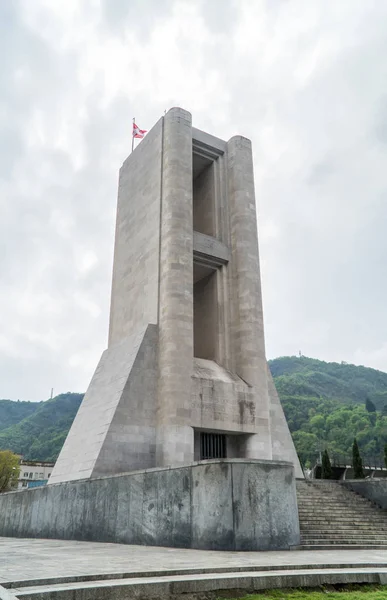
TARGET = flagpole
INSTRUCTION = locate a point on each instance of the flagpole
(134, 118)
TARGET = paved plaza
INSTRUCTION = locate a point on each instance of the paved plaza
(28, 559)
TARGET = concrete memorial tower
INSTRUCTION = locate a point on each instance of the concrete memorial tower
(180, 439)
(185, 376)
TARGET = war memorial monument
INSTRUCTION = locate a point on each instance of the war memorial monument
(180, 439)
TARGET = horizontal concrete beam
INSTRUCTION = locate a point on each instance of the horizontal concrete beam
(207, 145)
(209, 251)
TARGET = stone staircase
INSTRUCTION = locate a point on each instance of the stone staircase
(333, 517)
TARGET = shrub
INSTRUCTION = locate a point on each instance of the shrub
(326, 467)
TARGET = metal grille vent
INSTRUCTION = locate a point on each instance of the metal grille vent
(212, 445)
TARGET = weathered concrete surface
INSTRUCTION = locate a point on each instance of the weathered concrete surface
(224, 505)
(372, 489)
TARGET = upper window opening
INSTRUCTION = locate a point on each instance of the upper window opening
(203, 195)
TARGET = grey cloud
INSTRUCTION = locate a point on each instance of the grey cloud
(321, 171)
(307, 82)
(220, 17)
(137, 16)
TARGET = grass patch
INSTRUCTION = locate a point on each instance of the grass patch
(353, 592)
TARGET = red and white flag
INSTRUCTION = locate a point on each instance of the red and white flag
(137, 132)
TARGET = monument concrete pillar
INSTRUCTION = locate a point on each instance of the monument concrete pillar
(174, 436)
(247, 329)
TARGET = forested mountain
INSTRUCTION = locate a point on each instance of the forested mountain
(326, 405)
(302, 376)
(12, 412)
(40, 435)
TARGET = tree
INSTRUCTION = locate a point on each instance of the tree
(317, 424)
(9, 470)
(307, 446)
(385, 455)
(357, 462)
(370, 406)
(326, 468)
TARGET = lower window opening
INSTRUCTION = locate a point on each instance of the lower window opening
(212, 445)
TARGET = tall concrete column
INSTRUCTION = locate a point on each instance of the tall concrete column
(175, 444)
(247, 332)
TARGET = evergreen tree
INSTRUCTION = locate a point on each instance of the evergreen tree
(326, 468)
(370, 406)
(357, 462)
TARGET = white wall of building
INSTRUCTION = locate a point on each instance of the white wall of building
(33, 471)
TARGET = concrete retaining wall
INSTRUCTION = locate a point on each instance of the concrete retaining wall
(372, 489)
(222, 505)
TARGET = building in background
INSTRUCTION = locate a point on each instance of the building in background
(34, 473)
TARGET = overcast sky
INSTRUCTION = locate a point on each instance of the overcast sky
(306, 80)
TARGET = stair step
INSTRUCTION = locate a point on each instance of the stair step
(344, 512)
(368, 516)
(342, 508)
(344, 542)
(332, 502)
(332, 516)
(347, 532)
(333, 499)
(341, 536)
(334, 533)
(339, 547)
(336, 526)
(349, 520)
(333, 505)
(346, 526)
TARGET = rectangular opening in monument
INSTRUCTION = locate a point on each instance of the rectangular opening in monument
(212, 445)
(203, 195)
(205, 311)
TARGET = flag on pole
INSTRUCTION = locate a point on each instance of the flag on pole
(137, 132)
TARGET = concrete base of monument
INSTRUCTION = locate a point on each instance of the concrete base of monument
(211, 505)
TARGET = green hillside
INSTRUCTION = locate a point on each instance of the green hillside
(304, 376)
(324, 403)
(41, 435)
(325, 406)
(12, 412)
